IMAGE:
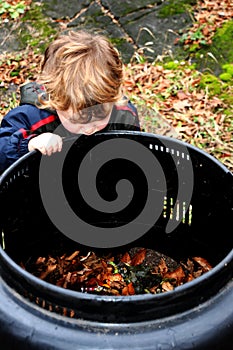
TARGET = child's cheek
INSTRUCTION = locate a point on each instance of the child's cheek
(102, 126)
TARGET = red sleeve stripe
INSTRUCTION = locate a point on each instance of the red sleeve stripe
(37, 125)
(125, 108)
(24, 133)
(45, 121)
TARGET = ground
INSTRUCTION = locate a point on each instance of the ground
(187, 98)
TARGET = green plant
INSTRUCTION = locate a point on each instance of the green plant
(193, 39)
(13, 11)
(228, 68)
(211, 83)
(174, 7)
(225, 77)
(227, 74)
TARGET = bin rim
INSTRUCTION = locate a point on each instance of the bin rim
(119, 133)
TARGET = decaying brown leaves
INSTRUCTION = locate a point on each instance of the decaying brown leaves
(209, 16)
(17, 70)
(174, 97)
(137, 271)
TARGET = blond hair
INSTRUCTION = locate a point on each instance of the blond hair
(80, 70)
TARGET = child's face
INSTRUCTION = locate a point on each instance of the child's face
(95, 124)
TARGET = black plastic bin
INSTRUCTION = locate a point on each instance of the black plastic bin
(195, 194)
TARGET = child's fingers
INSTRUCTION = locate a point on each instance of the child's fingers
(60, 144)
(42, 150)
(46, 143)
(55, 145)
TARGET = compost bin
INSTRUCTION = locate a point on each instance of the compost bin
(192, 212)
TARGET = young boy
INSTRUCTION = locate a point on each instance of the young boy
(80, 90)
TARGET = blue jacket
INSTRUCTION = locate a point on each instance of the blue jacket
(27, 120)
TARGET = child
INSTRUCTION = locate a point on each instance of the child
(80, 90)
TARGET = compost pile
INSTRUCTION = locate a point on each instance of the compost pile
(137, 271)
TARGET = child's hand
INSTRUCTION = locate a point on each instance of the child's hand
(46, 143)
